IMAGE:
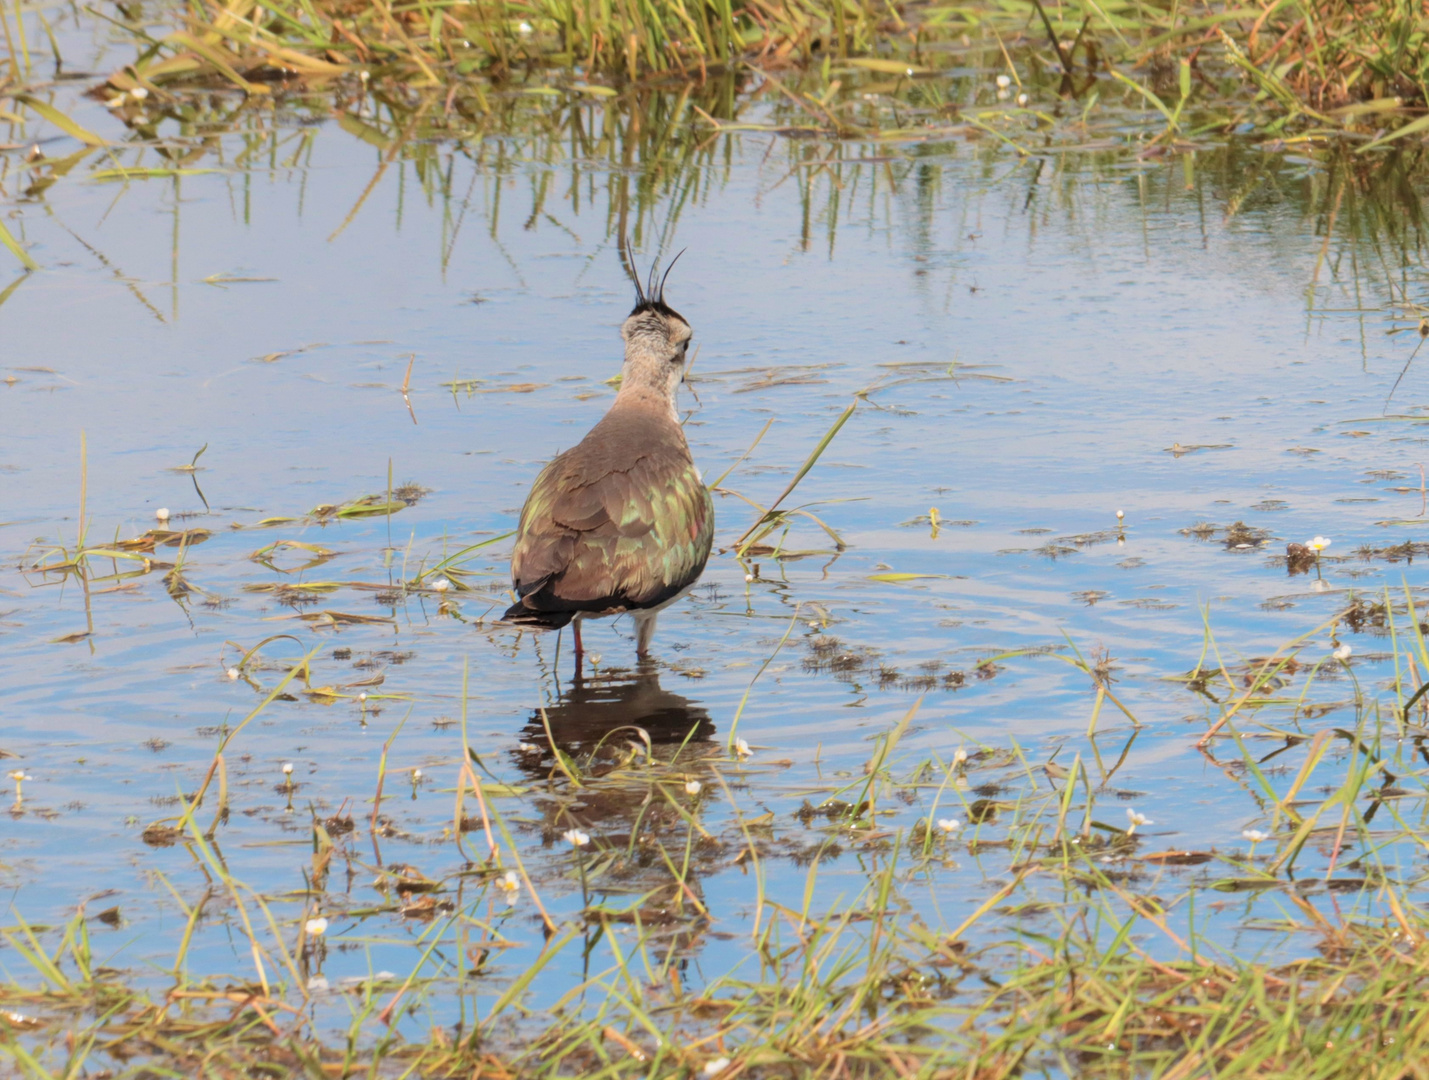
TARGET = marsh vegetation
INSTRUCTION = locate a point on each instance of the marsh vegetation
(948, 768)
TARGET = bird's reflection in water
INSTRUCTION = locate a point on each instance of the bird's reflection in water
(610, 709)
(635, 777)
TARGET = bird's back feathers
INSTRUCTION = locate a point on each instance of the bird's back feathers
(621, 521)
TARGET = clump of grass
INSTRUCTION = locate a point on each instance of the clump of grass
(1331, 62)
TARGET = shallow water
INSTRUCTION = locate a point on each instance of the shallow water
(1039, 343)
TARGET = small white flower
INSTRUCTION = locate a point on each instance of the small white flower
(1319, 543)
(529, 748)
(233, 673)
(441, 584)
(116, 102)
(1004, 81)
(1003, 95)
(509, 884)
(575, 837)
(318, 984)
(287, 768)
(19, 775)
(525, 28)
(1023, 99)
(960, 757)
(416, 775)
(949, 824)
(1344, 652)
(594, 659)
(316, 927)
(1120, 515)
(742, 748)
(162, 513)
(1136, 818)
(364, 75)
(362, 696)
(715, 1067)
(1255, 836)
(747, 579)
(138, 93)
(693, 787)
(910, 73)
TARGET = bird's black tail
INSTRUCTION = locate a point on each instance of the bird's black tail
(520, 615)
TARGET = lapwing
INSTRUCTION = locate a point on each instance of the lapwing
(622, 521)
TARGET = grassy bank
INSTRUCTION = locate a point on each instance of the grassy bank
(1354, 66)
(652, 85)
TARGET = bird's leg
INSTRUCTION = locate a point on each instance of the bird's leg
(644, 631)
(580, 652)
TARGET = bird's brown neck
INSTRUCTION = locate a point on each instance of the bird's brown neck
(638, 399)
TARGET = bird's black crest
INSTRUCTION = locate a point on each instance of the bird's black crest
(650, 296)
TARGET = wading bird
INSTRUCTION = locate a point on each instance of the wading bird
(621, 522)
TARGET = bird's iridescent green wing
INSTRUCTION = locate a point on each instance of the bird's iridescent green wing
(624, 537)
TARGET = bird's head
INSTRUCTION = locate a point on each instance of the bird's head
(657, 339)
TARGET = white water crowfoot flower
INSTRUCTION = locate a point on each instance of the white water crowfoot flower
(162, 513)
(1004, 81)
(742, 748)
(576, 838)
(716, 1066)
(441, 584)
(316, 927)
(1255, 836)
(510, 885)
(1318, 544)
(1344, 652)
(19, 776)
(233, 673)
(1136, 819)
(949, 825)
(693, 787)
(960, 757)
(1022, 100)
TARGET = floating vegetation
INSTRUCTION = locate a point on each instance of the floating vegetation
(1237, 536)
(366, 506)
(858, 666)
